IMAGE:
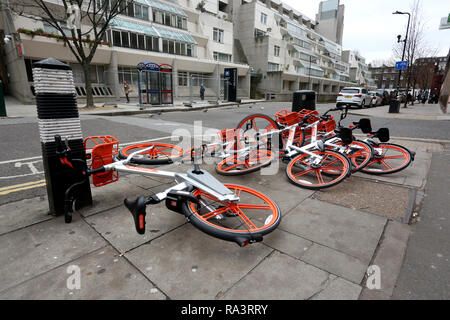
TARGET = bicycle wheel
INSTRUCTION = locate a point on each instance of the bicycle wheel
(332, 169)
(244, 222)
(233, 166)
(388, 158)
(252, 124)
(161, 153)
(358, 152)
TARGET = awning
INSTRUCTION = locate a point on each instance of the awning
(302, 50)
(315, 67)
(175, 35)
(165, 7)
(118, 23)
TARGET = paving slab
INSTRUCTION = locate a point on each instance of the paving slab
(352, 232)
(20, 214)
(104, 276)
(280, 277)
(117, 225)
(339, 289)
(335, 262)
(112, 196)
(287, 243)
(188, 264)
(416, 173)
(28, 252)
(389, 258)
(371, 196)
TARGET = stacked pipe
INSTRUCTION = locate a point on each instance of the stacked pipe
(58, 115)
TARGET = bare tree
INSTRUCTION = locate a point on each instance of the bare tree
(83, 42)
(416, 47)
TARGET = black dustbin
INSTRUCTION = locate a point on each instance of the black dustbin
(304, 99)
(394, 106)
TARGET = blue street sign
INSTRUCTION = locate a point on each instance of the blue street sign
(401, 65)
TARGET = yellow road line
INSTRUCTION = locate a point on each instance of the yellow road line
(20, 187)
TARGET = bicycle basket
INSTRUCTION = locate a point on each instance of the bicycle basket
(327, 126)
(305, 112)
(227, 135)
(365, 125)
(383, 134)
(100, 151)
(287, 118)
(346, 135)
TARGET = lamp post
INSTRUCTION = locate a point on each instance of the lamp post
(309, 77)
(404, 45)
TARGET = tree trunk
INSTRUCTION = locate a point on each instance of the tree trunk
(88, 85)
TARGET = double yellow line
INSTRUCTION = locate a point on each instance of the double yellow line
(21, 187)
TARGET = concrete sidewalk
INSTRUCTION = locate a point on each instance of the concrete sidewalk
(418, 111)
(15, 108)
(321, 250)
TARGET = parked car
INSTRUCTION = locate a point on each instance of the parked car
(385, 99)
(354, 96)
(376, 99)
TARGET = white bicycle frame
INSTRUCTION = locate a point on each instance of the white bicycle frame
(204, 182)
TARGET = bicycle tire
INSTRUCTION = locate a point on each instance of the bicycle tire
(405, 154)
(240, 167)
(238, 234)
(335, 179)
(154, 156)
(272, 124)
(359, 160)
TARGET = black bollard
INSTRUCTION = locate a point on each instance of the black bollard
(58, 115)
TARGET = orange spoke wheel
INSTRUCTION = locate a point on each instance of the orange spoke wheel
(160, 153)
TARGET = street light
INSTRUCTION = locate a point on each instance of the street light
(404, 45)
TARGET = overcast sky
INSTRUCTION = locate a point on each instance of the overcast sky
(371, 28)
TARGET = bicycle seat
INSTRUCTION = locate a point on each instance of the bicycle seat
(365, 125)
(137, 209)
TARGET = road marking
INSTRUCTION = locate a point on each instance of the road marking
(23, 186)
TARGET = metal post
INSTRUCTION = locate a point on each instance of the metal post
(58, 115)
(2, 101)
(309, 77)
(190, 90)
(139, 89)
(404, 48)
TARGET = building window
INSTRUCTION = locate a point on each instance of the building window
(218, 35)
(133, 41)
(276, 51)
(263, 18)
(259, 33)
(125, 39)
(116, 38)
(218, 56)
(168, 19)
(273, 67)
(182, 79)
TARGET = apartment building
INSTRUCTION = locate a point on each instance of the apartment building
(359, 70)
(195, 39)
(285, 50)
(276, 49)
(386, 77)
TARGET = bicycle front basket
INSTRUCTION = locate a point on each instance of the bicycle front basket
(383, 134)
(346, 135)
(365, 125)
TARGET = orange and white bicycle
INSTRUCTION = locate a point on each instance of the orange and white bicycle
(225, 211)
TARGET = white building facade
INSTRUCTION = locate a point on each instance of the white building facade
(276, 49)
(285, 51)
